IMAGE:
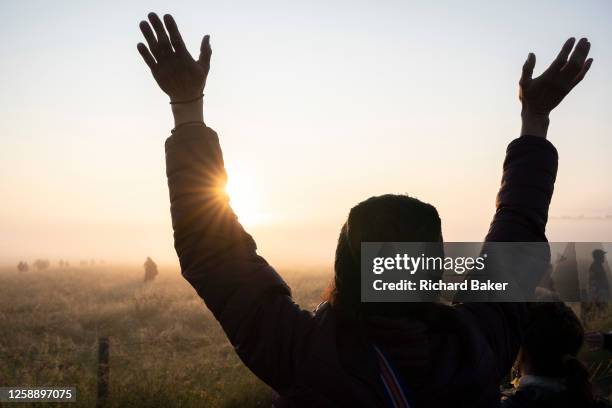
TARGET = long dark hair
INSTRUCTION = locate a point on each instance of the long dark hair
(386, 218)
(551, 345)
(392, 218)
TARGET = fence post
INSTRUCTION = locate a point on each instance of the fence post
(103, 371)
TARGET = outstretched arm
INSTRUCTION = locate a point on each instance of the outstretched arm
(530, 167)
(528, 179)
(219, 259)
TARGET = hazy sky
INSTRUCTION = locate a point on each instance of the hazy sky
(318, 104)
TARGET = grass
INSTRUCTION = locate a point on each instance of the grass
(166, 348)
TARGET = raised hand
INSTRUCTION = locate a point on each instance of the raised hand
(173, 67)
(542, 94)
(539, 96)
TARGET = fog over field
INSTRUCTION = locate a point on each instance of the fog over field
(166, 349)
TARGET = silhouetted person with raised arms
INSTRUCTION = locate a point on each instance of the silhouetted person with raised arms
(439, 355)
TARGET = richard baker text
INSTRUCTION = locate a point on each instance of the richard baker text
(429, 285)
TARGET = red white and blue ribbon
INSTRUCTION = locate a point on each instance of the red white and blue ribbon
(395, 391)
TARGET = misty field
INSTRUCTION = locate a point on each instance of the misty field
(166, 349)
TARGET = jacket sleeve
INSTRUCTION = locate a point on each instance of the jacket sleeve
(218, 258)
(528, 179)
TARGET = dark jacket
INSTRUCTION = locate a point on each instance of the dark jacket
(598, 282)
(325, 359)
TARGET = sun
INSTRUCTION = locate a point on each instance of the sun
(244, 199)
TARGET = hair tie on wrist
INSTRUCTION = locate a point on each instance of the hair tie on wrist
(187, 101)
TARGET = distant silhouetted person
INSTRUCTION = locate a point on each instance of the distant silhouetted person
(150, 268)
(550, 375)
(428, 353)
(22, 266)
(599, 288)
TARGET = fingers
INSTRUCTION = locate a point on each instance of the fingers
(582, 73)
(175, 35)
(528, 67)
(146, 55)
(566, 49)
(561, 59)
(577, 61)
(163, 43)
(205, 52)
(149, 36)
(568, 70)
